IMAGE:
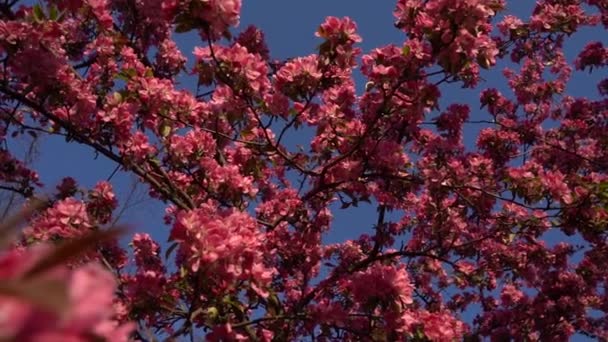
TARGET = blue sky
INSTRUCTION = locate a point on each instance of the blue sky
(289, 27)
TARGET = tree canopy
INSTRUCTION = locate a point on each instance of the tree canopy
(457, 228)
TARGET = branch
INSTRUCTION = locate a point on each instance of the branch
(82, 138)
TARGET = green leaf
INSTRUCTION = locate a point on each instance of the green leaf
(164, 130)
(406, 50)
(274, 306)
(117, 97)
(212, 312)
(53, 13)
(38, 13)
(183, 272)
(127, 74)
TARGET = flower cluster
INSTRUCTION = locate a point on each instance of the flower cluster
(61, 304)
(458, 31)
(226, 246)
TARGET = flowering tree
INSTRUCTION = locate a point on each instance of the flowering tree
(457, 228)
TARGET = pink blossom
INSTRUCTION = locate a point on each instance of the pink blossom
(441, 326)
(102, 202)
(90, 290)
(339, 30)
(102, 12)
(555, 183)
(252, 38)
(138, 148)
(511, 295)
(382, 282)
(299, 77)
(247, 70)
(510, 25)
(594, 54)
(66, 219)
(226, 245)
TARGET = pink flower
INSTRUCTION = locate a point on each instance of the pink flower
(101, 9)
(137, 148)
(593, 55)
(511, 295)
(387, 155)
(102, 202)
(299, 77)
(146, 252)
(340, 31)
(246, 71)
(340, 37)
(66, 219)
(193, 146)
(89, 310)
(68, 187)
(555, 183)
(466, 267)
(226, 245)
(222, 13)
(452, 120)
(252, 38)
(225, 333)
(383, 282)
(441, 326)
(510, 25)
(169, 59)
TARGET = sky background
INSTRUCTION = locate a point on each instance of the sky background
(289, 27)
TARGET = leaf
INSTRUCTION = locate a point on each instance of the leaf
(117, 96)
(53, 13)
(127, 74)
(164, 130)
(212, 313)
(72, 248)
(419, 334)
(406, 50)
(183, 272)
(47, 294)
(38, 13)
(274, 306)
(247, 134)
(233, 303)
